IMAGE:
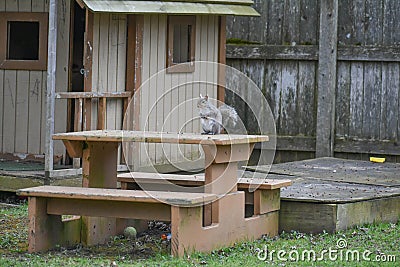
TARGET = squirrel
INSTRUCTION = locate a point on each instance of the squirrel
(214, 119)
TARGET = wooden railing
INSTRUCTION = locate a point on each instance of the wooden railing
(83, 107)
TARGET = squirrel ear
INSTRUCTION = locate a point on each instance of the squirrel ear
(206, 97)
(201, 96)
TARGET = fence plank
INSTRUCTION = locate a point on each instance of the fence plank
(310, 52)
(356, 98)
(275, 22)
(373, 22)
(343, 99)
(372, 99)
(309, 11)
(291, 22)
(391, 22)
(306, 99)
(288, 123)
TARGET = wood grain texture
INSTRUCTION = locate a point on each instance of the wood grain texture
(116, 195)
(157, 137)
(326, 78)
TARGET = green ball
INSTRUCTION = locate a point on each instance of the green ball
(130, 232)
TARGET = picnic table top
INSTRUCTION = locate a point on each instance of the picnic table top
(159, 137)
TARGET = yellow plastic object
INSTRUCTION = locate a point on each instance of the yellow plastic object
(377, 160)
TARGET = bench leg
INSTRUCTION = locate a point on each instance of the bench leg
(44, 229)
(188, 235)
(266, 201)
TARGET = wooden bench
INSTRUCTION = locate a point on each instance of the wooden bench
(268, 190)
(48, 203)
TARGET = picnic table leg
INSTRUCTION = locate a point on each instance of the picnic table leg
(221, 163)
(99, 168)
(44, 229)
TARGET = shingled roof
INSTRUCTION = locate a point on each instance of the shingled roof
(177, 7)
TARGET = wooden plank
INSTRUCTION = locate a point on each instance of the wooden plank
(24, 5)
(372, 100)
(342, 101)
(388, 53)
(102, 114)
(151, 115)
(367, 212)
(198, 180)
(307, 217)
(298, 52)
(392, 84)
(38, 6)
(275, 22)
(291, 22)
(10, 94)
(74, 148)
(266, 201)
(112, 73)
(358, 17)
(288, 112)
(12, 6)
(78, 115)
(130, 52)
(310, 52)
(356, 99)
(121, 69)
(257, 25)
(43, 229)
(72, 95)
(373, 22)
(90, 62)
(305, 101)
(221, 58)
(80, 193)
(308, 31)
(345, 22)
(326, 78)
(43, 115)
(104, 45)
(110, 208)
(35, 111)
(21, 112)
(365, 146)
(157, 137)
(391, 18)
(211, 45)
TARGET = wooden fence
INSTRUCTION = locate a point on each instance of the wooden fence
(330, 70)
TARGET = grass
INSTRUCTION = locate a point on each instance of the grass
(377, 239)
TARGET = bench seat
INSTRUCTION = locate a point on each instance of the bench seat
(80, 193)
(195, 180)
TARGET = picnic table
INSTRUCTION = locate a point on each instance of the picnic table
(198, 221)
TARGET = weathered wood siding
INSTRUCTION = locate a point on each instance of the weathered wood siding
(23, 93)
(167, 103)
(285, 67)
(109, 64)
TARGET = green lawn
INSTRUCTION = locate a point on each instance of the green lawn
(368, 242)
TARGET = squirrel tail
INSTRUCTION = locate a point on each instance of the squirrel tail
(229, 115)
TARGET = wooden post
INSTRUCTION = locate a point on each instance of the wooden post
(51, 88)
(327, 78)
(221, 59)
(87, 61)
(99, 167)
